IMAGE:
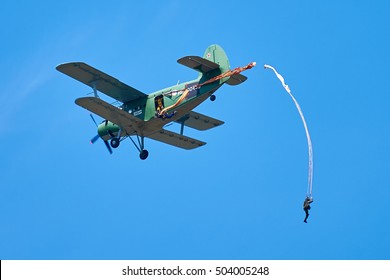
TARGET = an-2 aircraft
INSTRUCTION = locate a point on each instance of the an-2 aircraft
(141, 115)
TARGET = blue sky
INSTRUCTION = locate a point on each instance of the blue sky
(238, 197)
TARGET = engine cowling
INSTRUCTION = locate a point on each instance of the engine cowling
(107, 128)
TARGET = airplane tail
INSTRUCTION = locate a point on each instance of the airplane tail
(214, 65)
(216, 54)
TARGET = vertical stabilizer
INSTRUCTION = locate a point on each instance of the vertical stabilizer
(216, 54)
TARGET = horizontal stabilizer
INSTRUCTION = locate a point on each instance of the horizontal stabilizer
(176, 139)
(198, 63)
(236, 79)
(101, 81)
(199, 121)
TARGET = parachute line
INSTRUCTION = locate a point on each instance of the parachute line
(309, 191)
(184, 93)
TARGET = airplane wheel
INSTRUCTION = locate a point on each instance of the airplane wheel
(213, 97)
(144, 154)
(115, 142)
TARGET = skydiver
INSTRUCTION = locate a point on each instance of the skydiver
(306, 207)
(158, 115)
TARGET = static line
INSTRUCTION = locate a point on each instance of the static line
(309, 192)
(185, 92)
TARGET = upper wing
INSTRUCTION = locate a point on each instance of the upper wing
(103, 82)
(176, 139)
(198, 63)
(199, 121)
(126, 121)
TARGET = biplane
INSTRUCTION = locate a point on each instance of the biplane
(140, 115)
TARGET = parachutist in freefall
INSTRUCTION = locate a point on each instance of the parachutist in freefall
(306, 207)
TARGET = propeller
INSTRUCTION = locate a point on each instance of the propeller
(95, 138)
(108, 147)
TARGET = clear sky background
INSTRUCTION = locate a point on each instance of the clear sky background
(238, 197)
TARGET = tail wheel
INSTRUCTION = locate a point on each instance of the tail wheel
(213, 97)
(144, 154)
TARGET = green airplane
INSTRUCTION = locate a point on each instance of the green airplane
(141, 115)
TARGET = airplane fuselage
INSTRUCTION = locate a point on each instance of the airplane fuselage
(146, 109)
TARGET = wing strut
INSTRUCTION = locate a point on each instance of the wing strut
(94, 89)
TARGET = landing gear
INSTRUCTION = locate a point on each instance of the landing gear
(213, 97)
(115, 142)
(144, 154)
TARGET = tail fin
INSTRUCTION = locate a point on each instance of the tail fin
(217, 55)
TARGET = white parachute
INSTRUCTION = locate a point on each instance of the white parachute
(309, 192)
